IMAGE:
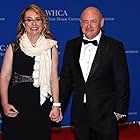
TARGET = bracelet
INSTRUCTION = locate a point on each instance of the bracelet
(57, 104)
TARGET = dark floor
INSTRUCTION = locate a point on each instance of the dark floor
(127, 132)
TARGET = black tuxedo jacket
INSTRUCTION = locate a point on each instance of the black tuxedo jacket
(107, 86)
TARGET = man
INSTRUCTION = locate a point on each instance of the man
(95, 69)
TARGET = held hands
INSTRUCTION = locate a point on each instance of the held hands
(10, 110)
(56, 114)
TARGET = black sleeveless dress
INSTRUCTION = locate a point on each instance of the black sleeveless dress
(32, 122)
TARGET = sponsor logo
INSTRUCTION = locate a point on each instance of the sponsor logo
(57, 12)
(3, 49)
(132, 51)
(132, 113)
(60, 15)
(109, 19)
(2, 19)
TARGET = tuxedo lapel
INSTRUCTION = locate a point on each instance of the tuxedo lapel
(97, 59)
(77, 50)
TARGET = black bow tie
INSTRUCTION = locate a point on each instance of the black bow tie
(94, 42)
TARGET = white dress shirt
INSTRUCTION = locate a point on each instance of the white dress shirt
(87, 55)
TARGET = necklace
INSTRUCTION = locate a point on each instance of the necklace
(34, 45)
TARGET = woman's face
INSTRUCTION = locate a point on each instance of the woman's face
(32, 23)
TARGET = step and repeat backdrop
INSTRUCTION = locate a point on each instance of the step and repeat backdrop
(121, 22)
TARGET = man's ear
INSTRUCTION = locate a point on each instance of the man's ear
(102, 22)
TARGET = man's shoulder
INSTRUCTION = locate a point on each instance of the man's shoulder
(74, 40)
(112, 43)
(111, 39)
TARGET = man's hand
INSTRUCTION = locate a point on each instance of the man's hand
(56, 114)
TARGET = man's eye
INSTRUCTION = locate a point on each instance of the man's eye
(85, 22)
(92, 21)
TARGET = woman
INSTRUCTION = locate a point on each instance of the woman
(29, 80)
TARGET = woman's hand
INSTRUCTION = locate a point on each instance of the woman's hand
(10, 110)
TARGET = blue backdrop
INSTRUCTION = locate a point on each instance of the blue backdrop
(121, 22)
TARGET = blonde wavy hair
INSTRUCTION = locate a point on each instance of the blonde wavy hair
(46, 32)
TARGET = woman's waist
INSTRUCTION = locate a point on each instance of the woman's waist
(20, 78)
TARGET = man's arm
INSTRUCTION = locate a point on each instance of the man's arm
(121, 81)
(65, 78)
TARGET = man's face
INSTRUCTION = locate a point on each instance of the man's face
(91, 22)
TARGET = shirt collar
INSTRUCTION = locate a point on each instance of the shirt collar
(95, 38)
